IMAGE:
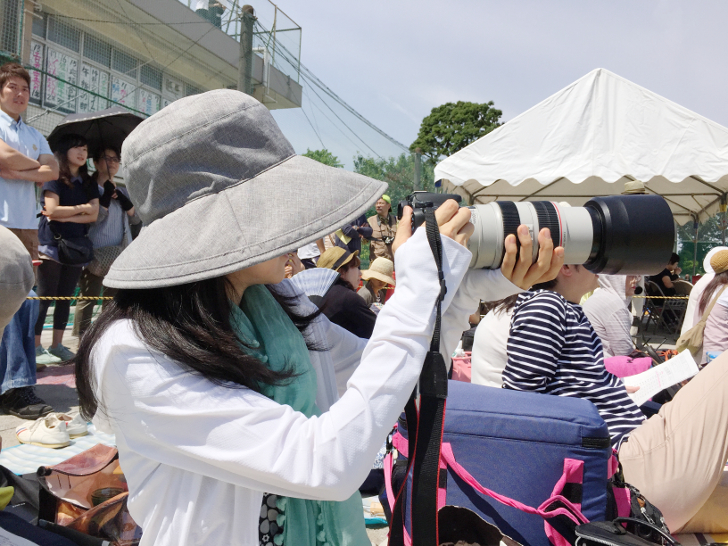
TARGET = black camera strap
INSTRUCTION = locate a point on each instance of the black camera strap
(426, 426)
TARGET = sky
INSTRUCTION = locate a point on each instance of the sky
(393, 61)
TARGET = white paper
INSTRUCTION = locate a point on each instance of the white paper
(658, 378)
(9, 539)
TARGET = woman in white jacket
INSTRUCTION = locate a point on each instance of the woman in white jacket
(241, 414)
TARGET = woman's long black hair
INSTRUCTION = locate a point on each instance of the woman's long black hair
(64, 172)
(189, 324)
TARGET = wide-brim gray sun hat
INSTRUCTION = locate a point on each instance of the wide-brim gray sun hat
(219, 189)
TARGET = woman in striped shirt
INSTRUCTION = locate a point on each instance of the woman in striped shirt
(676, 458)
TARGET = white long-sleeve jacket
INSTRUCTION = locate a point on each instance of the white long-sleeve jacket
(198, 456)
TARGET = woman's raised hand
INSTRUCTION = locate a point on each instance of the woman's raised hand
(520, 269)
(453, 221)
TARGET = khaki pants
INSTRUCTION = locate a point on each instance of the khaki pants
(677, 457)
(90, 285)
(29, 238)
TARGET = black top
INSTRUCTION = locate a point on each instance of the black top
(67, 197)
(657, 279)
(343, 306)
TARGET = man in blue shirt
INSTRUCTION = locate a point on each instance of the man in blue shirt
(26, 160)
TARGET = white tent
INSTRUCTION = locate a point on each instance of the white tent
(589, 139)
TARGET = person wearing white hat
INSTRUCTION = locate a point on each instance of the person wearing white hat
(242, 414)
(691, 313)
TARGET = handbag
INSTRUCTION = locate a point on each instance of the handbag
(103, 258)
(88, 493)
(73, 250)
(692, 340)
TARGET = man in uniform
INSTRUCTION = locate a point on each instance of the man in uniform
(384, 228)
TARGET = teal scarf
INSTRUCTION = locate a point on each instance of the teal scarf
(261, 323)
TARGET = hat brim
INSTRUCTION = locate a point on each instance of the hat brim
(282, 209)
(368, 274)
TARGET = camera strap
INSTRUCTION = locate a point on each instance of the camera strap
(425, 426)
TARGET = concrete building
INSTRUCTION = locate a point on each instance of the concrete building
(141, 54)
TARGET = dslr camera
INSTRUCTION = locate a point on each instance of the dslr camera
(619, 234)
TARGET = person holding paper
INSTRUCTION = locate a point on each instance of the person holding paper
(675, 458)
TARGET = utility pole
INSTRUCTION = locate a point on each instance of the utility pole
(418, 169)
(245, 62)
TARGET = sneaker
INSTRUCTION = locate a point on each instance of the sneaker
(64, 353)
(44, 358)
(24, 403)
(44, 432)
(75, 426)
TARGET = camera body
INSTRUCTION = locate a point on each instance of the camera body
(618, 234)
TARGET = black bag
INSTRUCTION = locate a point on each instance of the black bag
(613, 533)
(73, 251)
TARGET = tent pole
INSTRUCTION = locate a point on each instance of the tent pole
(695, 245)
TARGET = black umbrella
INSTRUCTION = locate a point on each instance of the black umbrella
(103, 129)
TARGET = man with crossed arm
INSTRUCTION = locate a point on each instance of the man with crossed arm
(26, 160)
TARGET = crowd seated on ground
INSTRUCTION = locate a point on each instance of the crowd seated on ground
(341, 304)
(675, 458)
(377, 278)
(608, 312)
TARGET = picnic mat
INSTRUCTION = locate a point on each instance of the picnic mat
(25, 458)
(57, 375)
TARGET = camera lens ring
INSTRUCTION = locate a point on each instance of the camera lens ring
(548, 217)
(511, 221)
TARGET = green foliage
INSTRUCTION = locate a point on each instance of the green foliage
(398, 172)
(453, 126)
(710, 234)
(325, 157)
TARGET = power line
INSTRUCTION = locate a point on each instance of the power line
(282, 51)
(312, 127)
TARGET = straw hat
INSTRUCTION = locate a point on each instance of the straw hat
(634, 187)
(380, 269)
(219, 189)
(335, 257)
(719, 262)
(709, 256)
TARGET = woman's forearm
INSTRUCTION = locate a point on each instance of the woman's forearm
(77, 219)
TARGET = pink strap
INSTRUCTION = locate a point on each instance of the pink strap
(613, 464)
(387, 464)
(400, 444)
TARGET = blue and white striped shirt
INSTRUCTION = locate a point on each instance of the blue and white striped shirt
(553, 349)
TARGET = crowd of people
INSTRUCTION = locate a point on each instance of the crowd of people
(73, 210)
(295, 398)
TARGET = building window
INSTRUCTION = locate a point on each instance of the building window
(124, 63)
(151, 77)
(39, 25)
(192, 90)
(96, 50)
(63, 34)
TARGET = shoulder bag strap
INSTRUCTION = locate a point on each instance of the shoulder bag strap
(425, 427)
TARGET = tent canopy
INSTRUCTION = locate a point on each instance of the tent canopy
(589, 139)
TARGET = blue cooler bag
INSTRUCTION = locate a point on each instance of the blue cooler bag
(532, 451)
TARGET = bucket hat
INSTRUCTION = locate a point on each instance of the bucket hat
(219, 189)
(380, 269)
(335, 257)
(16, 276)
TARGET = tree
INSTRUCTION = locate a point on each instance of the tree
(710, 234)
(325, 157)
(398, 172)
(453, 126)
